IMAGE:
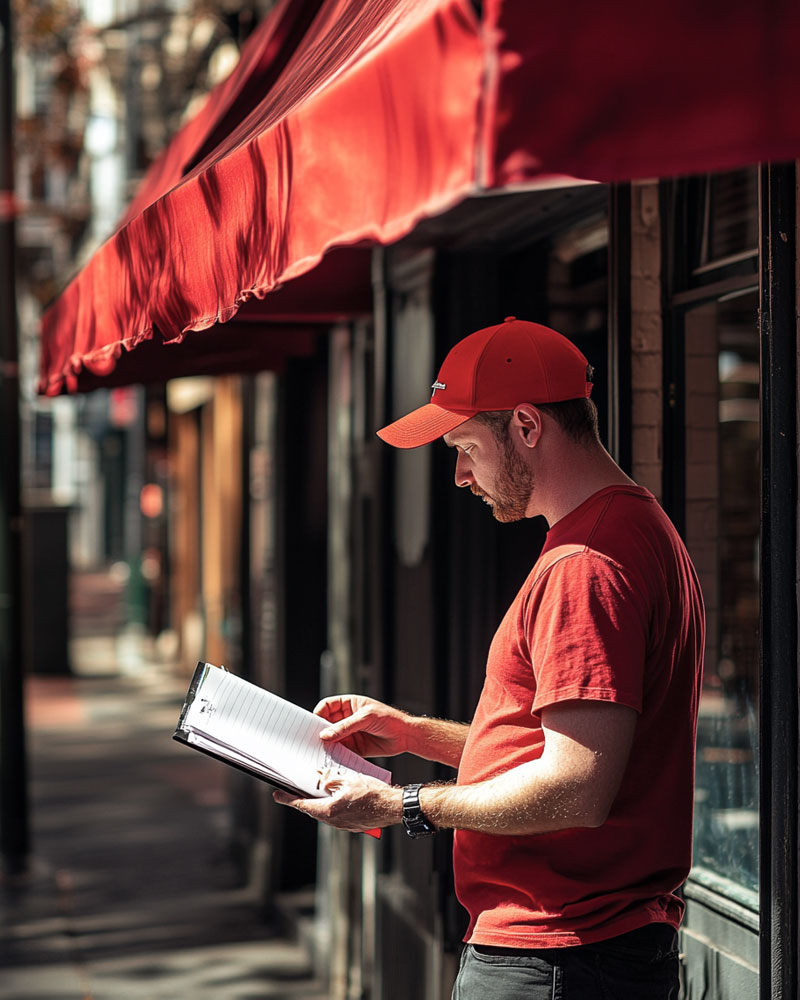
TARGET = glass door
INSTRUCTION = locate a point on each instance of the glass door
(712, 489)
(722, 532)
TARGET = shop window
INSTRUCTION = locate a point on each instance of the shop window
(722, 532)
(728, 226)
(711, 487)
(715, 229)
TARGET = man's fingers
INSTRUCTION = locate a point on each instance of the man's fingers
(311, 807)
(319, 809)
(332, 782)
(327, 706)
(352, 724)
(336, 706)
(285, 798)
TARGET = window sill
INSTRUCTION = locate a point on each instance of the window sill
(724, 896)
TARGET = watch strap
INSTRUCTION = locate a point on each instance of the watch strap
(415, 821)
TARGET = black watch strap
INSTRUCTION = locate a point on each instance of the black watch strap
(415, 821)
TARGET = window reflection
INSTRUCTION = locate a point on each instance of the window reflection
(727, 224)
(722, 478)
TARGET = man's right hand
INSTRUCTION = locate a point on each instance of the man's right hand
(373, 729)
(365, 725)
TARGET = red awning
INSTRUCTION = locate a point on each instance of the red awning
(376, 115)
(632, 89)
(260, 63)
(370, 126)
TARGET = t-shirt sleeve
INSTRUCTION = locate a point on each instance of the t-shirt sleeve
(586, 629)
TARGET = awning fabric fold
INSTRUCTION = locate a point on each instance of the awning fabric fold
(261, 61)
(371, 125)
(345, 123)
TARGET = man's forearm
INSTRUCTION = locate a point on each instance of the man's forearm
(522, 801)
(574, 783)
(526, 800)
(437, 739)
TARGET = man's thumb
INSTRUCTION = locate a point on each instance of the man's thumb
(352, 724)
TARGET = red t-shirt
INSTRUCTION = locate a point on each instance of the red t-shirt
(612, 611)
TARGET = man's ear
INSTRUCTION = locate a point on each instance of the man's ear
(526, 424)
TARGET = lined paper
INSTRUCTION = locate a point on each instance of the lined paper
(261, 731)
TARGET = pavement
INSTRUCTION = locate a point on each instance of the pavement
(131, 892)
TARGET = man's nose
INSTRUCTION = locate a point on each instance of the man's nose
(463, 475)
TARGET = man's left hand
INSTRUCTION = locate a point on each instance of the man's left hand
(356, 803)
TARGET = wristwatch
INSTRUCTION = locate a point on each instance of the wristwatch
(415, 821)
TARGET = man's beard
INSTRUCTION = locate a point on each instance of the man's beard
(512, 487)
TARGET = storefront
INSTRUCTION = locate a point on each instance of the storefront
(670, 289)
(730, 440)
(681, 292)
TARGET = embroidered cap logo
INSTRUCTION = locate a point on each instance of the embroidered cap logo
(435, 386)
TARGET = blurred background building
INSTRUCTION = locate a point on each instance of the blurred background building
(100, 89)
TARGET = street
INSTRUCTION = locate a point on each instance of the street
(131, 892)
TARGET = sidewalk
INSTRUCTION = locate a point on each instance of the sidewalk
(131, 894)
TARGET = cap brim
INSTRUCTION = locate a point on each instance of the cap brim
(422, 426)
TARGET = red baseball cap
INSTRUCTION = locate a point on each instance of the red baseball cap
(495, 369)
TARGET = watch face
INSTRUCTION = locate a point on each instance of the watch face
(419, 828)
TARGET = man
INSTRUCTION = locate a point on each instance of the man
(573, 802)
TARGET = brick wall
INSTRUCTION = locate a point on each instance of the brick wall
(702, 404)
(646, 336)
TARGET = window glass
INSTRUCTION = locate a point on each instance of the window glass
(722, 528)
(725, 217)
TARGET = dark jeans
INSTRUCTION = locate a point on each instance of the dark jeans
(639, 965)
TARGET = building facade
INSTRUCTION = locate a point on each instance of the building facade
(681, 293)
(311, 558)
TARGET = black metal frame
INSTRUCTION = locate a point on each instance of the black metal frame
(620, 394)
(776, 279)
(778, 693)
(14, 819)
(680, 293)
